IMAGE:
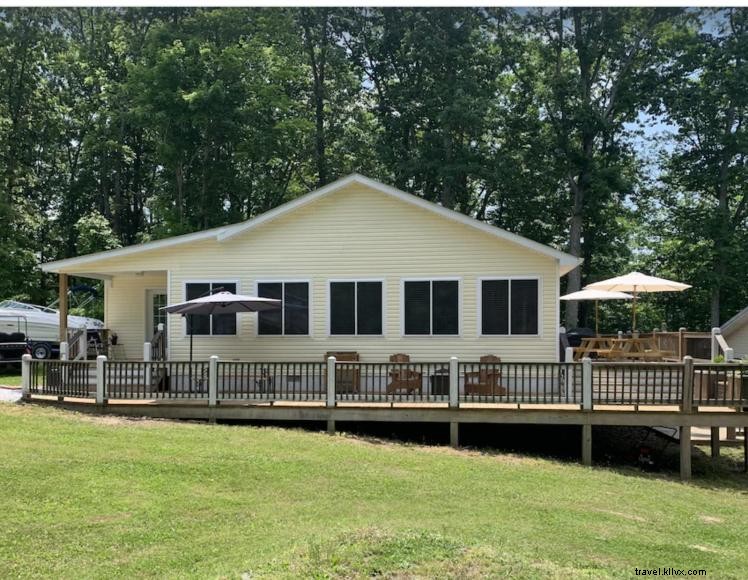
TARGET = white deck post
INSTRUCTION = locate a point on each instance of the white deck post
(25, 376)
(147, 357)
(587, 384)
(331, 381)
(715, 344)
(729, 354)
(213, 381)
(64, 350)
(100, 378)
(569, 354)
(454, 383)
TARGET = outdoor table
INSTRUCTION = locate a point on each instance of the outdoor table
(636, 348)
(598, 345)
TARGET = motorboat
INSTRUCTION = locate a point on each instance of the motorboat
(39, 323)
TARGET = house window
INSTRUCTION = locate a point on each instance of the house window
(509, 306)
(356, 308)
(431, 307)
(210, 324)
(293, 317)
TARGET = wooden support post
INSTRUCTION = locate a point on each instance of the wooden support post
(715, 441)
(26, 376)
(147, 357)
(331, 382)
(100, 379)
(681, 343)
(454, 434)
(64, 350)
(732, 434)
(63, 306)
(586, 444)
(686, 405)
(715, 344)
(745, 449)
(587, 384)
(685, 453)
(569, 354)
(454, 383)
(331, 426)
(212, 381)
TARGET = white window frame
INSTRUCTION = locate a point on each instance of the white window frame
(431, 334)
(330, 282)
(283, 281)
(211, 282)
(479, 301)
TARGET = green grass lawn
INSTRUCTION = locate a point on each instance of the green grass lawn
(10, 378)
(106, 497)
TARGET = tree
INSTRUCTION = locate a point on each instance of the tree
(704, 95)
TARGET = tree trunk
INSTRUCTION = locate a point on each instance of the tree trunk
(317, 62)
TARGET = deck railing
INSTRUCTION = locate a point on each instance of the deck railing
(61, 378)
(155, 380)
(585, 384)
(545, 383)
(270, 381)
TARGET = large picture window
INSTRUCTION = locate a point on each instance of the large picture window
(356, 308)
(210, 324)
(293, 317)
(509, 306)
(431, 307)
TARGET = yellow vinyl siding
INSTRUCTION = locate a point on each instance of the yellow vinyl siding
(354, 233)
(125, 309)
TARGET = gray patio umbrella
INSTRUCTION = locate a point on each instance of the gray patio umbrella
(221, 303)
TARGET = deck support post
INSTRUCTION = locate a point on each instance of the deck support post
(63, 306)
(732, 433)
(64, 350)
(25, 376)
(330, 400)
(454, 434)
(745, 449)
(569, 354)
(147, 357)
(587, 383)
(714, 441)
(331, 426)
(100, 379)
(454, 384)
(586, 444)
(687, 399)
(685, 453)
(212, 381)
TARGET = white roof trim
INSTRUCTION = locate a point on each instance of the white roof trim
(567, 262)
(735, 322)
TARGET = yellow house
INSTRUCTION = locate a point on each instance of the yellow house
(360, 266)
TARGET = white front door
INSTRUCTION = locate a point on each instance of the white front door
(155, 299)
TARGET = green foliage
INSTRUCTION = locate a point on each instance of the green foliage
(123, 125)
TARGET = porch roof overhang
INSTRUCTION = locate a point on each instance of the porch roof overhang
(566, 262)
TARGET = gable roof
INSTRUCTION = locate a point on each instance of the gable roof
(736, 321)
(567, 262)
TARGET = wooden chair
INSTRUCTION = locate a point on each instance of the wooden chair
(404, 378)
(347, 380)
(485, 381)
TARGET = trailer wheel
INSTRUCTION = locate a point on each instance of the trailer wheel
(41, 350)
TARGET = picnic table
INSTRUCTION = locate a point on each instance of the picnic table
(622, 348)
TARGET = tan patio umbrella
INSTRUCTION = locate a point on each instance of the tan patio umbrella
(596, 295)
(636, 282)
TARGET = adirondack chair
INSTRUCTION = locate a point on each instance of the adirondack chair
(347, 380)
(485, 381)
(404, 378)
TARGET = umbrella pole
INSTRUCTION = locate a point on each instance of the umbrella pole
(597, 318)
(633, 326)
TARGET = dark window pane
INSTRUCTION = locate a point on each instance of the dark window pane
(524, 306)
(296, 305)
(495, 306)
(417, 307)
(224, 323)
(369, 308)
(342, 314)
(197, 323)
(269, 322)
(446, 307)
